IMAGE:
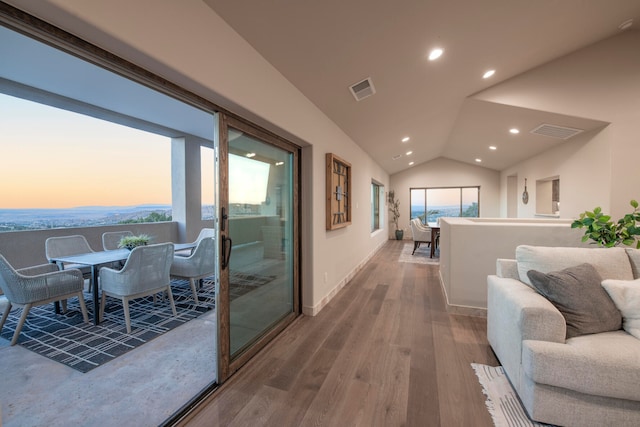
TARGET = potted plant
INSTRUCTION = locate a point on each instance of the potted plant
(130, 242)
(394, 208)
(604, 232)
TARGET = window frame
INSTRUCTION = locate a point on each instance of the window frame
(426, 201)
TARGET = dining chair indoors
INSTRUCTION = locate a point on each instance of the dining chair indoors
(111, 239)
(38, 285)
(420, 233)
(197, 266)
(146, 272)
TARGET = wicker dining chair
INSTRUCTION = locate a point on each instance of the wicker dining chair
(146, 272)
(65, 246)
(199, 265)
(205, 232)
(38, 285)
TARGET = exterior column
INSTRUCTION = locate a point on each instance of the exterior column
(186, 187)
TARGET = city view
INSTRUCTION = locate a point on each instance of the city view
(435, 212)
(36, 219)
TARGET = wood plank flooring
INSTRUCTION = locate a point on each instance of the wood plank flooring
(383, 352)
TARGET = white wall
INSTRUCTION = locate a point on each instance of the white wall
(190, 45)
(443, 172)
(469, 248)
(583, 168)
(599, 82)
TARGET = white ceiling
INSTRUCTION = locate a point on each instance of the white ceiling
(323, 47)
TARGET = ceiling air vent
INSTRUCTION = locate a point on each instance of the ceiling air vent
(554, 131)
(396, 157)
(363, 89)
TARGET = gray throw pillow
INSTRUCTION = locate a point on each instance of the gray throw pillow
(578, 294)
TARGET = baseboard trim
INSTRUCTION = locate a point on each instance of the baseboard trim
(464, 310)
(314, 310)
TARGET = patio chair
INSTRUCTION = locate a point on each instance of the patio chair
(146, 272)
(420, 233)
(38, 285)
(197, 266)
(205, 232)
(111, 239)
(68, 245)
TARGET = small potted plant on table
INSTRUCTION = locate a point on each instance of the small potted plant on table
(130, 242)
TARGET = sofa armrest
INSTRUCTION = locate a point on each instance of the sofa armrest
(516, 312)
(507, 268)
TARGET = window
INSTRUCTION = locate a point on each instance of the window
(429, 204)
(376, 207)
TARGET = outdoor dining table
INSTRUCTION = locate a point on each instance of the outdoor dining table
(100, 258)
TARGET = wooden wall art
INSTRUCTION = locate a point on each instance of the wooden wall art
(338, 192)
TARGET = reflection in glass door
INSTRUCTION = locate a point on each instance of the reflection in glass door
(261, 264)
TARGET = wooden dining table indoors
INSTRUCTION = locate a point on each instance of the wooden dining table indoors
(99, 259)
(435, 233)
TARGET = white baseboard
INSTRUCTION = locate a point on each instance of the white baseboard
(314, 310)
(460, 309)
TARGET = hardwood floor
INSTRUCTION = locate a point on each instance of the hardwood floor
(383, 352)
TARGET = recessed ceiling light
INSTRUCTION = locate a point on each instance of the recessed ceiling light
(435, 54)
(408, 153)
(405, 139)
(279, 163)
(626, 25)
(411, 163)
(397, 156)
(479, 160)
(488, 74)
(493, 147)
(514, 131)
(251, 155)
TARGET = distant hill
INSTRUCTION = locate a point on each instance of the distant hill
(32, 219)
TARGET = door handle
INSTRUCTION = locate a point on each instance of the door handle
(224, 216)
(226, 251)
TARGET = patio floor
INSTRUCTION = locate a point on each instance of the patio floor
(142, 387)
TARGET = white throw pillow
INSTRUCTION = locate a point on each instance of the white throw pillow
(626, 296)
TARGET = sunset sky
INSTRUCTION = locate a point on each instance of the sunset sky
(53, 158)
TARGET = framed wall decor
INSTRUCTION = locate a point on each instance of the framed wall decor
(338, 192)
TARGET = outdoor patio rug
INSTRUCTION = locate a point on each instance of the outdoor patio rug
(420, 257)
(502, 401)
(65, 338)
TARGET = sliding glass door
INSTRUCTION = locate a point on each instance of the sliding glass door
(259, 242)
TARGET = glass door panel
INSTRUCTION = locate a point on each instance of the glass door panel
(261, 227)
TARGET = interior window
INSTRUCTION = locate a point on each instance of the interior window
(431, 203)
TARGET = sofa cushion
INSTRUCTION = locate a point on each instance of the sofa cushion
(611, 263)
(578, 294)
(606, 364)
(626, 296)
(634, 259)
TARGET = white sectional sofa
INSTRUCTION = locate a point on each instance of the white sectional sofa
(586, 380)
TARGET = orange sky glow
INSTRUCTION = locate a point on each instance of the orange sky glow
(53, 158)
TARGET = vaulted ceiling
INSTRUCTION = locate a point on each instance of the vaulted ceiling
(324, 47)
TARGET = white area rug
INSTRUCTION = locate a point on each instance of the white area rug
(420, 257)
(502, 401)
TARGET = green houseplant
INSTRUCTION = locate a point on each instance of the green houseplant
(605, 232)
(394, 208)
(130, 242)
